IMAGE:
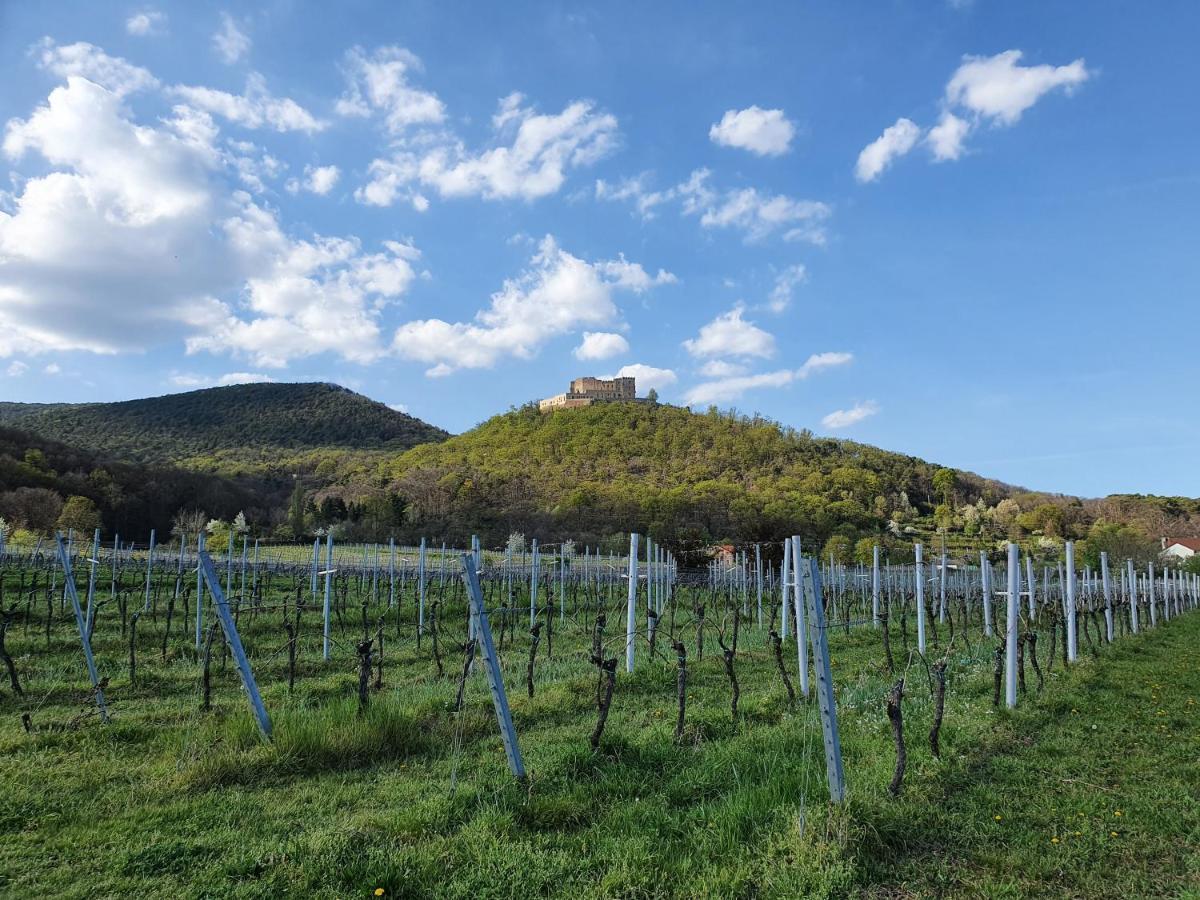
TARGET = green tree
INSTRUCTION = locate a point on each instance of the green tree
(840, 548)
(944, 481)
(296, 511)
(79, 514)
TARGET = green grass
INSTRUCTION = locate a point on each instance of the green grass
(170, 801)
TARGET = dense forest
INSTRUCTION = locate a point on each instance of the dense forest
(226, 429)
(304, 459)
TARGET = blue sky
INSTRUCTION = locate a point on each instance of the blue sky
(965, 231)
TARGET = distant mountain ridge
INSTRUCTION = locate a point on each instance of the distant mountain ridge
(225, 420)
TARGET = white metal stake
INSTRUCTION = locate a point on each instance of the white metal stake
(533, 583)
(483, 631)
(1106, 584)
(875, 586)
(149, 566)
(199, 593)
(69, 587)
(1072, 642)
(421, 588)
(631, 612)
(826, 700)
(234, 640)
(785, 574)
(920, 579)
(1150, 596)
(801, 631)
(1030, 583)
(985, 580)
(758, 578)
(328, 596)
(1010, 626)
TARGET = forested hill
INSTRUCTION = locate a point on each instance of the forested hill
(682, 476)
(224, 424)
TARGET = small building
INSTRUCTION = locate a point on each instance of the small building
(1180, 548)
(588, 390)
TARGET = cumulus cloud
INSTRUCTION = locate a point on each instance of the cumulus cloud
(785, 283)
(648, 377)
(756, 215)
(764, 132)
(998, 88)
(946, 138)
(731, 335)
(984, 90)
(895, 141)
(318, 180)
(89, 61)
(255, 108)
(601, 345)
(558, 294)
(530, 159)
(844, 418)
(16, 369)
(146, 22)
(137, 238)
(722, 368)
(230, 41)
(380, 82)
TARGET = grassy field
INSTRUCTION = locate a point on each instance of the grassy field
(1090, 788)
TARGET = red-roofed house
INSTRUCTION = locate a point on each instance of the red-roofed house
(1180, 548)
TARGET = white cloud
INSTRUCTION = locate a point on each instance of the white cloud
(756, 215)
(244, 378)
(634, 189)
(647, 377)
(318, 180)
(558, 294)
(136, 238)
(399, 407)
(90, 62)
(993, 90)
(190, 380)
(16, 369)
(821, 361)
(532, 161)
(999, 89)
(52, 369)
(230, 42)
(895, 141)
(722, 368)
(255, 108)
(379, 82)
(725, 388)
(785, 282)
(765, 132)
(946, 137)
(601, 345)
(844, 418)
(731, 335)
(147, 22)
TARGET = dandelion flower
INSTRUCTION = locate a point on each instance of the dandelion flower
(1113, 833)
(1054, 840)
(997, 818)
(378, 892)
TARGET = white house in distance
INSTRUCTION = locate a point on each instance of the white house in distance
(1180, 548)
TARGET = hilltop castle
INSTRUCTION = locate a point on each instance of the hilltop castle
(588, 390)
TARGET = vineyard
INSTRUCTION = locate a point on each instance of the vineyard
(339, 720)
